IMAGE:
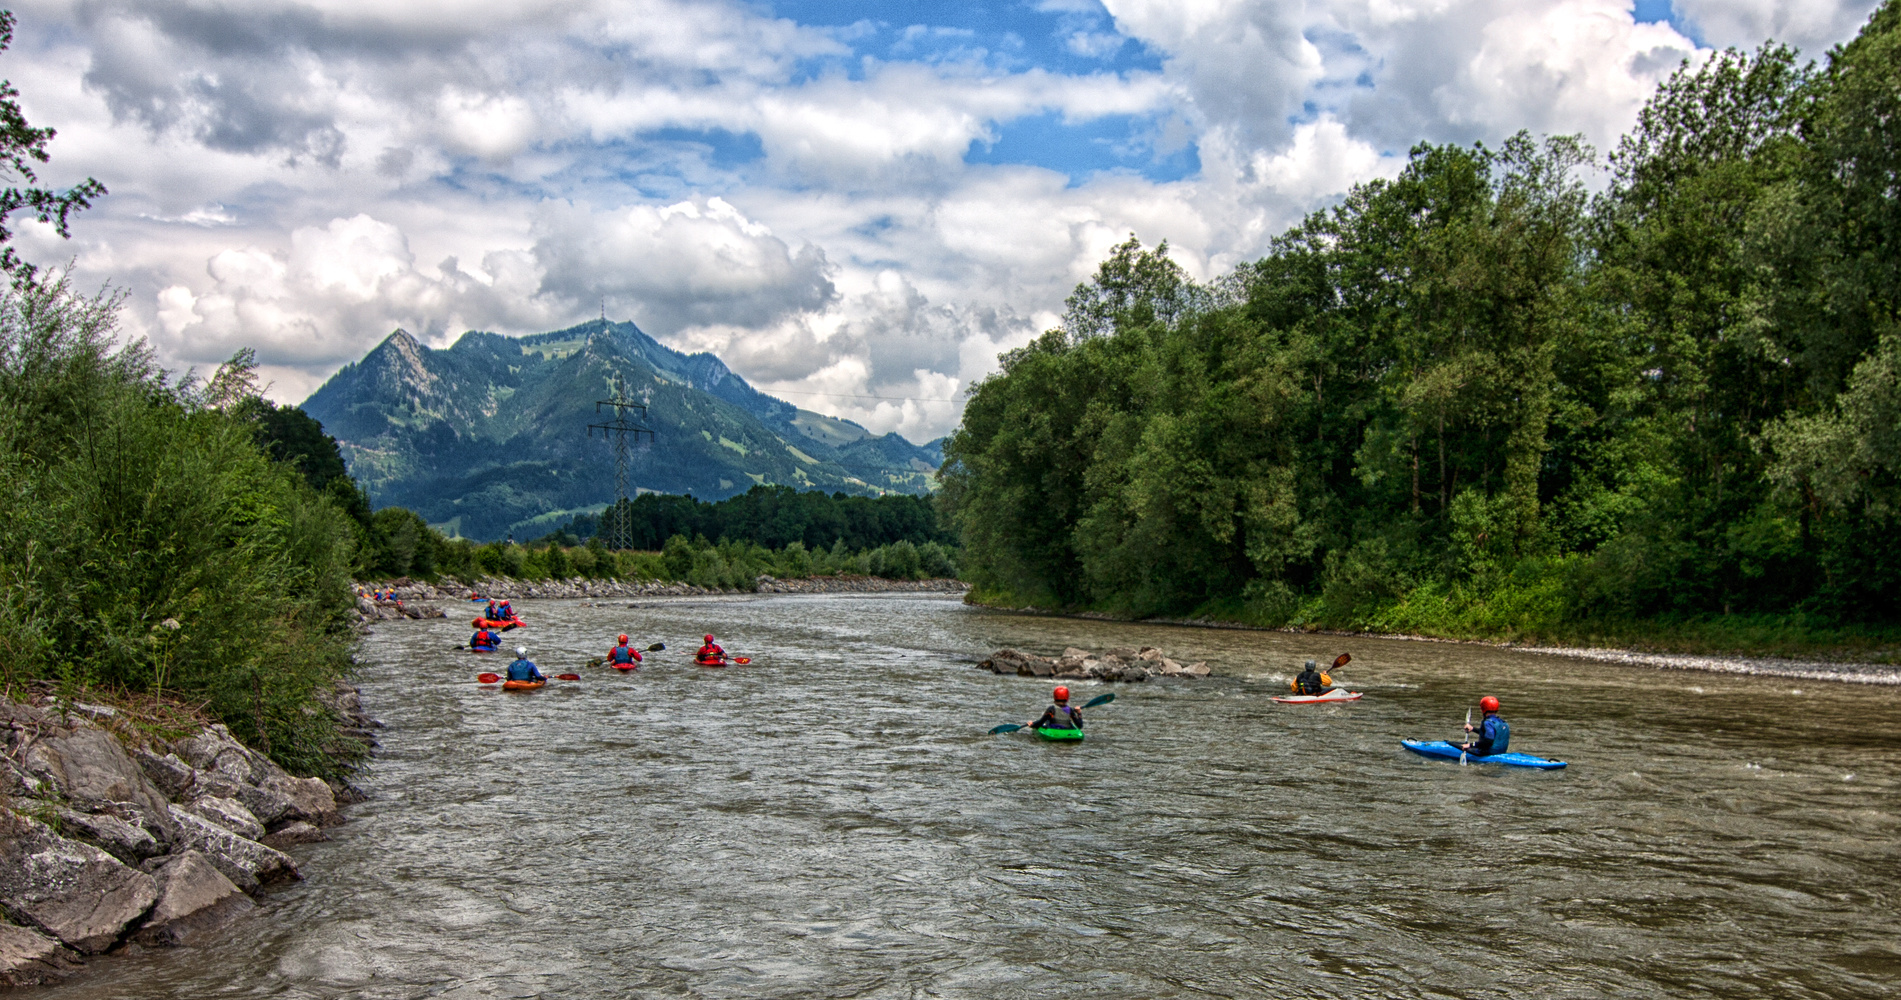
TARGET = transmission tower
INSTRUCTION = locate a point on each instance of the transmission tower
(618, 527)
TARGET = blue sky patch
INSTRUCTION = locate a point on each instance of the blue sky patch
(1079, 149)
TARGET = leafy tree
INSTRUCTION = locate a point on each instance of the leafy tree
(22, 145)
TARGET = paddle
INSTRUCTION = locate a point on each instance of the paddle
(496, 678)
(1468, 725)
(1011, 727)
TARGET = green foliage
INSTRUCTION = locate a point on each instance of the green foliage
(147, 544)
(773, 516)
(19, 144)
(1473, 400)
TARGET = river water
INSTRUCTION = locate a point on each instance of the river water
(834, 821)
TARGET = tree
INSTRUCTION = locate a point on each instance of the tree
(20, 143)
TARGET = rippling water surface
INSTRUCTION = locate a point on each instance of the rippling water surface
(833, 821)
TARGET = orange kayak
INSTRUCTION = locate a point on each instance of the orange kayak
(523, 685)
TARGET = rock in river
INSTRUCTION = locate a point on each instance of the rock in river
(73, 891)
(194, 899)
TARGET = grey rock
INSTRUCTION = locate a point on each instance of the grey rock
(29, 958)
(73, 891)
(1151, 654)
(1196, 670)
(172, 776)
(1123, 653)
(1080, 654)
(242, 860)
(127, 841)
(311, 800)
(228, 813)
(292, 833)
(194, 899)
(89, 765)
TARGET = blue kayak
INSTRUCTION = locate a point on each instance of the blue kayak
(1441, 750)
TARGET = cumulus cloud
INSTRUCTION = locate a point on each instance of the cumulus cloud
(303, 176)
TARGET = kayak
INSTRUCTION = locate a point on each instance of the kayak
(1441, 750)
(710, 663)
(624, 667)
(523, 685)
(498, 622)
(1060, 734)
(1337, 694)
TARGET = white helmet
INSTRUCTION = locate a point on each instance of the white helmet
(521, 650)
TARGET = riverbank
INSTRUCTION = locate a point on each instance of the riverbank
(134, 825)
(450, 590)
(1872, 662)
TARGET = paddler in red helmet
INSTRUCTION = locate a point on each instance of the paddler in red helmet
(1059, 715)
(623, 654)
(711, 652)
(1494, 736)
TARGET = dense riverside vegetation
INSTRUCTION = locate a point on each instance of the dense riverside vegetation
(774, 516)
(148, 545)
(1477, 400)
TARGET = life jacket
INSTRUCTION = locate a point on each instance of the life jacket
(492, 612)
(1064, 717)
(710, 651)
(1309, 682)
(483, 639)
(623, 654)
(524, 670)
(1496, 730)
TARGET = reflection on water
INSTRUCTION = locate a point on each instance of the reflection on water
(833, 821)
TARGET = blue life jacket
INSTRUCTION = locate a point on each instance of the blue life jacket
(524, 670)
(483, 639)
(1497, 731)
(622, 654)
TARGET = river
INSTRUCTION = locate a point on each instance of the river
(834, 821)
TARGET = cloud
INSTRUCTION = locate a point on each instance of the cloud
(302, 176)
(1809, 25)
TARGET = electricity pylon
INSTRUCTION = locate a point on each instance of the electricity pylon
(618, 529)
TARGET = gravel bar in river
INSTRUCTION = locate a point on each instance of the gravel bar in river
(834, 821)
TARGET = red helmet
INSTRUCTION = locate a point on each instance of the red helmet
(477, 623)
(1062, 694)
(709, 638)
(1489, 703)
(623, 639)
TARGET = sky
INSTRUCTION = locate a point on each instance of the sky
(856, 205)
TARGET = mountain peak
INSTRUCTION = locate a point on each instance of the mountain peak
(490, 435)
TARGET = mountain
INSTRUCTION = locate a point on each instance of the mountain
(489, 436)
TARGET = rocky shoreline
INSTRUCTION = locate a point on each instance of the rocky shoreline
(114, 840)
(1125, 663)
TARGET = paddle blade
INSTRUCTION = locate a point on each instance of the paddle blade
(656, 647)
(1008, 727)
(567, 677)
(488, 678)
(595, 662)
(1100, 700)
(1342, 660)
(742, 660)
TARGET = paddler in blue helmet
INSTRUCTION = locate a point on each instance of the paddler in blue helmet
(1059, 715)
(524, 669)
(1493, 735)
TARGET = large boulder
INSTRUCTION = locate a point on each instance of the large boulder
(194, 899)
(1196, 670)
(29, 958)
(89, 767)
(292, 833)
(228, 813)
(130, 842)
(215, 763)
(73, 891)
(242, 860)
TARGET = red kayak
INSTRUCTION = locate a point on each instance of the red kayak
(625, 667)
(500, 623)
(709, 663)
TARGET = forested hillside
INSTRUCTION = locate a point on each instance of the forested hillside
(1479, 399)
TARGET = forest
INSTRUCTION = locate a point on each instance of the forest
(1511, 392)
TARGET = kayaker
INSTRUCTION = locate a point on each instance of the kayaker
(524, 669)
(491, 614)
(623, 654)
(711, 652)
(507, 612)
(483, 640)
(1494, 735)
(1311, 681)
(1059, 715)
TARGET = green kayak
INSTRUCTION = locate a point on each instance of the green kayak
(1060, 734)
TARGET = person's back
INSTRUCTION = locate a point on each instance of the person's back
(623, 654)
(1059, 715)
(524, 669)
(1493, 734)
(711, 652)
(483, 640)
